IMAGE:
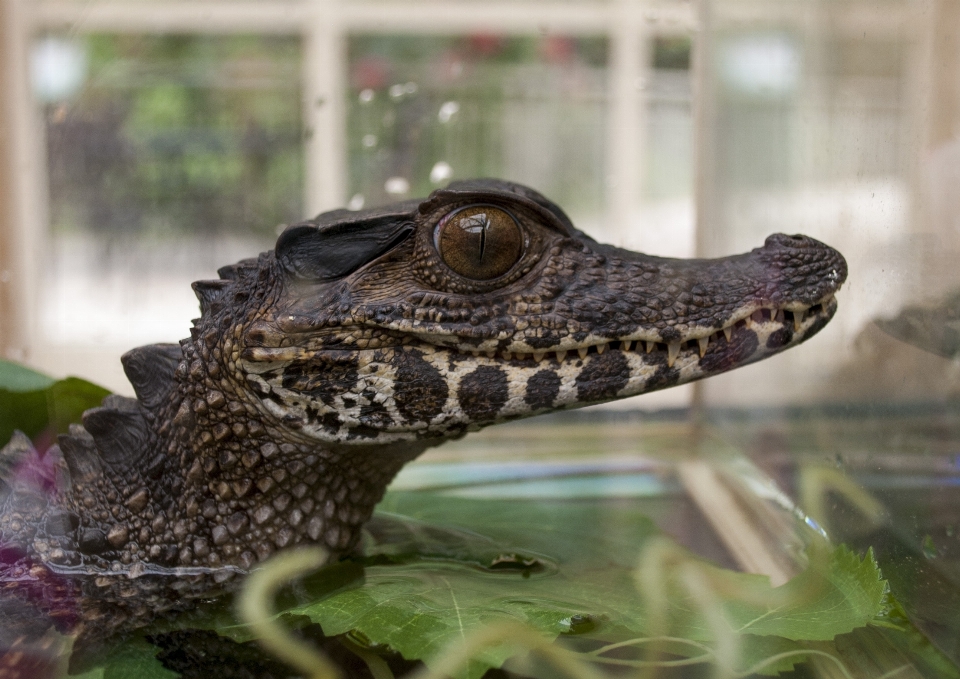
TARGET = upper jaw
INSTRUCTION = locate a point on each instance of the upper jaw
(628, 301)
(795, 318)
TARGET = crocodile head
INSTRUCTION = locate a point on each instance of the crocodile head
(483, 304)
(318, 369)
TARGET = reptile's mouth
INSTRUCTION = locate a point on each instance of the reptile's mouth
(408, 386)
(794, 317)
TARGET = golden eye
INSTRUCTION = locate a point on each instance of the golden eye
(480, 242)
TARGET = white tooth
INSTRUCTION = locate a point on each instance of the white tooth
(728, 332)
(798, 319)
(508, 356)
(562, 354)
(491, 353)
(650, 346)
(673, 350)
(582, 351)
(703, 341)
(626, 345)
(601, 348)
(778, 317)
(538, 355)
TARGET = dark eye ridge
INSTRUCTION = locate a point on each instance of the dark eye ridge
(480, 241)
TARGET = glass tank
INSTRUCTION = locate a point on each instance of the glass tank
(795, 517)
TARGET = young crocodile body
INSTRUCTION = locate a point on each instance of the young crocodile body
(317, 370)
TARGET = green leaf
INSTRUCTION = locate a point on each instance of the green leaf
(68, 398)
(417, 611)
(34, 403)
(836, 594)
(26, 411)
(15, 377)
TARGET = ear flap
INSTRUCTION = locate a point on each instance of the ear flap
(340, 242)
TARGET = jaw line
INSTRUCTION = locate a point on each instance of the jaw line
(799, 318)
(644, 373)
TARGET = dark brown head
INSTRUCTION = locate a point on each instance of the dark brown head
(483, 303)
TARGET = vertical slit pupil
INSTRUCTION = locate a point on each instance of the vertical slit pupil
(484, 225)
(480, 242)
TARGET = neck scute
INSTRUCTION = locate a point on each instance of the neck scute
(242, 505)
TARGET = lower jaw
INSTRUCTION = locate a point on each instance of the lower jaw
(617, 373)
(530, 386)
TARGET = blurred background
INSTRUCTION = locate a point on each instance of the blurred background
(144, 144)
(147, 143)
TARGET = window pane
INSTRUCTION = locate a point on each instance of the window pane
(816, 130)
(425, 110)
(168, 156)
(667, 209)
(669, 109)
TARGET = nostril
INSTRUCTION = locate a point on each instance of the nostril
(794, 241)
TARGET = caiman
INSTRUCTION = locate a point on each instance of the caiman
(318, 369)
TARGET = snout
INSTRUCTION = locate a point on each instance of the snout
(808, 269)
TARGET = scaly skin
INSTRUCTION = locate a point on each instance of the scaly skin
(319, 369)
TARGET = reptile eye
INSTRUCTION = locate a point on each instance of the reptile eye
(480, 242)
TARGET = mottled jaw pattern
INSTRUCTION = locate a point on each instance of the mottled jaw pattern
(413, 340)
(414, 390)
